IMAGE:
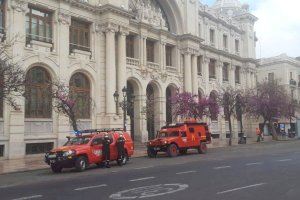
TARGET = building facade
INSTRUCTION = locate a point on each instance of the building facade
(286, 70)
(97, 47)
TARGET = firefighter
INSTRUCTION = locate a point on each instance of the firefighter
(106, 150)
(121, 150)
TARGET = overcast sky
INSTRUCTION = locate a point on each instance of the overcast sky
(278, 27)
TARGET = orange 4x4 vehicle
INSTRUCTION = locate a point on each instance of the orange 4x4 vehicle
(178, 138)
(86, 148)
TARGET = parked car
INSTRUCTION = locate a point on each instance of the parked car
(180, 137)
(86, 149)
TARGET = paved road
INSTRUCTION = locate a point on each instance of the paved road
(268, 171)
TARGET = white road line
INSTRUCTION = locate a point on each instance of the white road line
(142, 179)
(284, 160)
(222, 167)
(241, 188)
(31, 197)
(255, 163)
(187, 172)
(7, 186)
(143, 167)
(90, 187)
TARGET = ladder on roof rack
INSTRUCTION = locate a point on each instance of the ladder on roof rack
(98, 130)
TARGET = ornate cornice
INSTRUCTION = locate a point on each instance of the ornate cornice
(190, 37)
(19, 5)
(110, 8)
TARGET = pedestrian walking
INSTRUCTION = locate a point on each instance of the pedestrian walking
(259, 134)
(106, 149)
(121, 150)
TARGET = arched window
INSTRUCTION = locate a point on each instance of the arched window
(38, 101)
(80, 91)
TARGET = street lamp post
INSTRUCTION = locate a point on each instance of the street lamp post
(124, 105)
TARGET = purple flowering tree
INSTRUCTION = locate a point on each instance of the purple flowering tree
(269, 101)
(187, 105)
(230, 99)
(64, 103)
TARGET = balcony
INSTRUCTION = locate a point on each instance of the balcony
(132, 61)
(153, 65)
(32, 37)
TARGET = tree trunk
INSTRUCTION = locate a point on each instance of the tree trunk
(73, 121)
(230, 131)
(274, 133)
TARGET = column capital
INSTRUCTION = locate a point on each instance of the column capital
(206, 59)
(108, 27)
(64, 18)
(19, 5)
(124, 31)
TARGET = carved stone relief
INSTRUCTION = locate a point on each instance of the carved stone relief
(38, 127)
(149, 12)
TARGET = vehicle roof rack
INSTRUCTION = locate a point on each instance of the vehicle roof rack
(80, 132)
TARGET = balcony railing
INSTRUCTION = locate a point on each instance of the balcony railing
(171, 68)
(153, 65)
(79, 47)
(30, 37)
(132, 61)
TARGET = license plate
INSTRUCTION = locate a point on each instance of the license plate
(52, 156)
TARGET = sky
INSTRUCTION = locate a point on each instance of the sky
(278, 27)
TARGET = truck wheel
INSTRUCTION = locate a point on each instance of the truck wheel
(183, 151)
(56, 168)
(202, 149)
(81, 164)
(172, 150)
(151, 152)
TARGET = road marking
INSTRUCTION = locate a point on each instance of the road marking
(31, 197)
(255, 163)
(142, 179)
(241, 188)
(187, 172)
(7, 186)
(222, 167)
(90, 187)
(143, 167)
(149, 191)
(284, 160)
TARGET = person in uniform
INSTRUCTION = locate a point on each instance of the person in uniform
(121, 150)
(106, 150)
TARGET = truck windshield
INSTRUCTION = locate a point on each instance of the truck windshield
(78, 141)
(168, 134)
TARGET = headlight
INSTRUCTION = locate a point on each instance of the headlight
(165, 142)
(69, 153)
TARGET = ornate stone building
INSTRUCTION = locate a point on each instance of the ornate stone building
(153, 47)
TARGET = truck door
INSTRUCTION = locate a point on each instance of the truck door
(184, 139)
(96, 150)
(192, 140)
(113, 147)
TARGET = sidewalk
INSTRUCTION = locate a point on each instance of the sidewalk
(37, 162)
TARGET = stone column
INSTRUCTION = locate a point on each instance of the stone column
(121, 70)
(232, 75)
(194, 75)
(220, 69)
(14, 125)
(145, 50)
(206, 72)
(110, 71)
(187, 72)
(162, 55)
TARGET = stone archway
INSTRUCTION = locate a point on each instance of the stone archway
(133, 111)
(152, 109)
(170, 92)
